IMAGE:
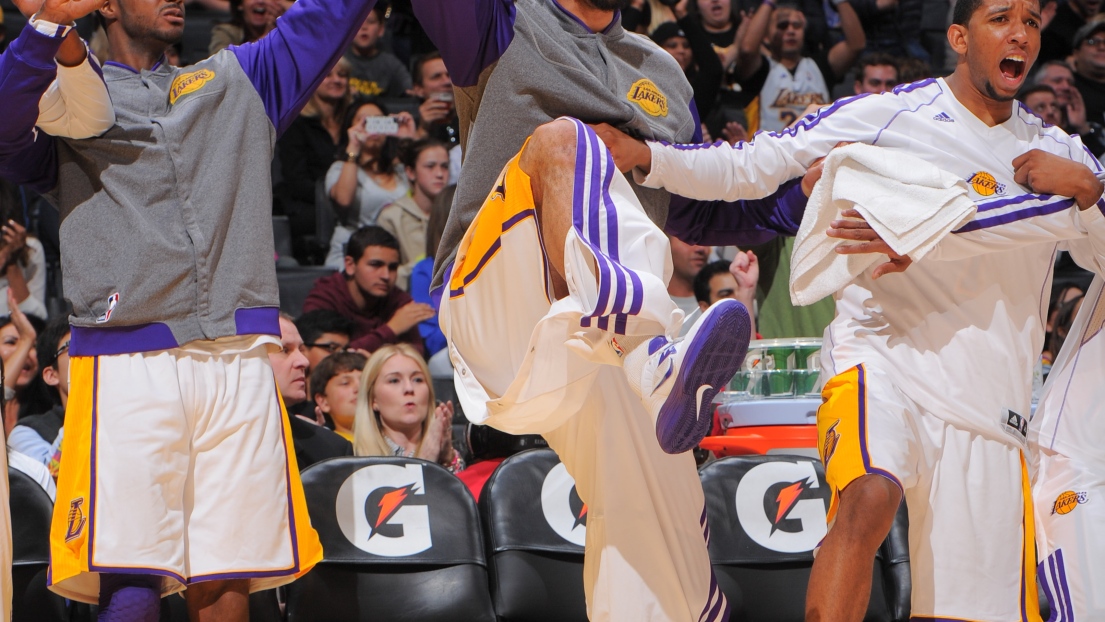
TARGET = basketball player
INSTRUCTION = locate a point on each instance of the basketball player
(178, 470)
(929, 373)
(555, 273)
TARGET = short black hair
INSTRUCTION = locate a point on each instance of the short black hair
(702, 279)
(963, 10)
(381, 11)
(370, 235)
(336, 363)
(46, 346)
(875, 59)
(314, 324)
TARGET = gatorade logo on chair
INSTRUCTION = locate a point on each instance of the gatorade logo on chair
(565, 512)
(779, 508)
(387, 518)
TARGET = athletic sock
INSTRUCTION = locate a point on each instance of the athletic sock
(129, 598)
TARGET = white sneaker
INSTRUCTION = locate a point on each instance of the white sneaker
(678, 381)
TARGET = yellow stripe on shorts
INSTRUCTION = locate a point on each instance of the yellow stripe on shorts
(69, 529)
(842, 433)
(510, 203)
(1030, 597)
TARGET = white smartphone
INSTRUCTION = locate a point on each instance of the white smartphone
(387, 126)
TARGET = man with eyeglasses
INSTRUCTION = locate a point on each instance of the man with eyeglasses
(1089, 68)
(312, 442)
(787, 81)
(324, 332)
(364, 291)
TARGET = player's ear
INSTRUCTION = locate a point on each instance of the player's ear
(109, 10)
(957, 38)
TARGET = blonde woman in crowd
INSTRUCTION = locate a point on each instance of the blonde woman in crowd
(396, 415)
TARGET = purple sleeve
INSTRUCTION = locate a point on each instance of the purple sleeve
(288, 64)
(27, 156)
(471, 34)
(740, 223)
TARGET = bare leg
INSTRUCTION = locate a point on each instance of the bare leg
(840, 583)
(218, 601)
(549, 160)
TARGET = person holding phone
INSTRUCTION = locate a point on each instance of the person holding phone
(366, 177)
(437, 116)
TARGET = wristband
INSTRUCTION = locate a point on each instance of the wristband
(770, 3)
(352, 157)
(50, 29)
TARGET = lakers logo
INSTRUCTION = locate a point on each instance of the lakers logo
(1067, 501)
(646, 95)
(832, 439)
(76, 519)
(189, 83)
(985, 184)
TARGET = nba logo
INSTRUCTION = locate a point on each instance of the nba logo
(112, 300)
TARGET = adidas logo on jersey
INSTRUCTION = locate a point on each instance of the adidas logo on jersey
(943, 116)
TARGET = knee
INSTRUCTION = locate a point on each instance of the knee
(867, 509)
(552, 144)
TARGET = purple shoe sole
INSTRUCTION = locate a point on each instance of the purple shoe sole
(713, 357)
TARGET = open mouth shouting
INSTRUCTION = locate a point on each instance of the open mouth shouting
(1013, 68)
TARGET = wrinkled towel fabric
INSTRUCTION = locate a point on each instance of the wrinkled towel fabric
(910, 203)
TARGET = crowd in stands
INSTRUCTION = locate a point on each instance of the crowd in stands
(365, 177)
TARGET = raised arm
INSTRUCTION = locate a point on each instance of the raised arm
(77, 104)
(750, 46)
(470, 34)
(844, 53)
(288, 64)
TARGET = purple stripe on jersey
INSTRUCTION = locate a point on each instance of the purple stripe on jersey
(158, 572)
(1101, 205)
(1004, 219)
(257, 321)
(863, 432)
(87, 341)
(612, 239)
(1017, 200)
(1058, 603)
(1024, 569)
(702, 519)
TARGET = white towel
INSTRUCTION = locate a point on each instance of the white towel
(910, 203)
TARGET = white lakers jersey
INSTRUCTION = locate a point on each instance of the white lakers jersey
(785, 95)
(960, 336)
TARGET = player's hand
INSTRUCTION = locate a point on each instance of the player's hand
(58, 11)
(812, 176)
(745, 268)
(855, 228)
(409, 315)
(628, 152)
(1046, 173)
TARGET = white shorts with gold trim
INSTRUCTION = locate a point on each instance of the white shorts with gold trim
(178, 463)
(971, 527)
